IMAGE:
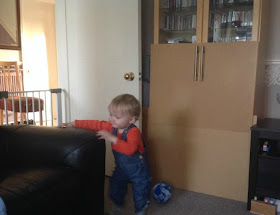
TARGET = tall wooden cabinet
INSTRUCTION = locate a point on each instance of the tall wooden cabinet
(204, 93)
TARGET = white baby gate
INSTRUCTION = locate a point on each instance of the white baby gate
(48, 116)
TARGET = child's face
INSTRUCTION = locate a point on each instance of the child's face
(120, 120)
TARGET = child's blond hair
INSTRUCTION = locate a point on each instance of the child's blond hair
(126, 103)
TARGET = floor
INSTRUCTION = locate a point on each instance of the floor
(183, 202)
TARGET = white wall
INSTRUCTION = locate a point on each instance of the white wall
(9, 55)
(39, 44)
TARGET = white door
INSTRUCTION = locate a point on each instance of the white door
(98, 42)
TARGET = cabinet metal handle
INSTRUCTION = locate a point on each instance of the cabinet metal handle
(201, 64)
(195, 65)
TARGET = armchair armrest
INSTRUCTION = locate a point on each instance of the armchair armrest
(27, 145)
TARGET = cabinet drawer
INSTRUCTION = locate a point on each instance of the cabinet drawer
(268, 172)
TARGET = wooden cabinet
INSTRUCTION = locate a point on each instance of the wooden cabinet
(196, 21)
(203, 100)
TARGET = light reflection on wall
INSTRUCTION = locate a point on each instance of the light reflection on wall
(36, 67)
(35, 62)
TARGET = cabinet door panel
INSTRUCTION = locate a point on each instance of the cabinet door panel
(229, 21)
(172, 85)
(226, 94)
(223, 100)
(177, 21)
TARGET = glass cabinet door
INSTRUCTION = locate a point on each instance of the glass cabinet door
(177, 21)
(230, 20)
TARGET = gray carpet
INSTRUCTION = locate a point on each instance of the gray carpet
(184, 203)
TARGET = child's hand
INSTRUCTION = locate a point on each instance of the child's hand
(66, 125)
(103, 134)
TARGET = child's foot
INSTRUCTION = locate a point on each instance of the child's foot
(116, 210)
(141, 212)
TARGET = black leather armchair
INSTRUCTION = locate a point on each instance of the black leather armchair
(49, 170)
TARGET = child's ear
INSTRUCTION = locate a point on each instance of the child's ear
(132, 120)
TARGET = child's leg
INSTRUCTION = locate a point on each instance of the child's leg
(118, 188)
(141, 193)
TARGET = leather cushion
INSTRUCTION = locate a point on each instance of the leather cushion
(22, 189)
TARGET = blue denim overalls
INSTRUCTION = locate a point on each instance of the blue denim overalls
(2, 207)
(135, 169)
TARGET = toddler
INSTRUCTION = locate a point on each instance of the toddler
(129, 151)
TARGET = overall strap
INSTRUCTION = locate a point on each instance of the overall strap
(124, 134)
(115, 131)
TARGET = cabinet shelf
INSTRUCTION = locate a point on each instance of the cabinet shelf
(264, 192)
(178, 36)
(224, 28)
(231, 34)
(179, 11)
(166, 31)
(232, 6)
(272, 156)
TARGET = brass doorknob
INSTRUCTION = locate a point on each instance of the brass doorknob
(129, 76)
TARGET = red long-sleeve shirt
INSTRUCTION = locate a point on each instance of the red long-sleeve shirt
(134, 141)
